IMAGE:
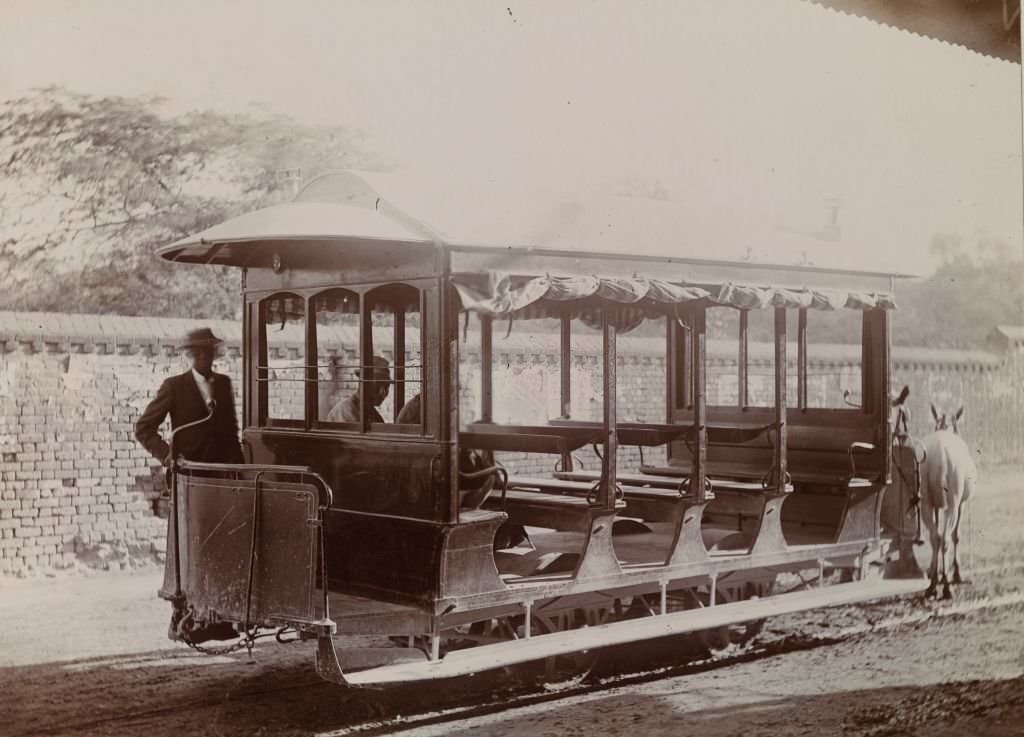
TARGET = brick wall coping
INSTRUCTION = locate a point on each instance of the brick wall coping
(58, 332)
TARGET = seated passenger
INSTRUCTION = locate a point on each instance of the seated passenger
(376, 387)
(411, 412)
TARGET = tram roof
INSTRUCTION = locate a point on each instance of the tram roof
(366, 207)
(988, 27)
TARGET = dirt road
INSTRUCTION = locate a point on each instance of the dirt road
(88, 656)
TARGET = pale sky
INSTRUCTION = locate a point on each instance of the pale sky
(748, 109)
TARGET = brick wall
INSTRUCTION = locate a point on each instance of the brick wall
(75, 486)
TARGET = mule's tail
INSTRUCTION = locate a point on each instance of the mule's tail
(935, 481)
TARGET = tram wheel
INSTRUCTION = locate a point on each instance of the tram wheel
(575, 667)
(717, 639)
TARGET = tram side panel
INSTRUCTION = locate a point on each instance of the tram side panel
(385, 534)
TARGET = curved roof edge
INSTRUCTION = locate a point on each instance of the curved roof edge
(416, 209)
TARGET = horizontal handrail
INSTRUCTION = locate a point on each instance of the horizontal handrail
(255, 469)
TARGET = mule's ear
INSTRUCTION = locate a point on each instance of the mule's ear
(958, 415)
(904, 393)
(935, 413)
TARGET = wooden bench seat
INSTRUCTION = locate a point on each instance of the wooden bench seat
(742, 472)
(528, 438)
(533, 507)
(652, 434)
(642, 481)
(585, 486)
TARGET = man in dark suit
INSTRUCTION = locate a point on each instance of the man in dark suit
(192, 396)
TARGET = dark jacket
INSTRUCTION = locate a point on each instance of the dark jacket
(215, 441)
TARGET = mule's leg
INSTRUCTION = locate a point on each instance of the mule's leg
(928, 517)
(946, 531)
(956, 543)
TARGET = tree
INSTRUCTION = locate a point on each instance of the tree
(93, 184)
(968, 295)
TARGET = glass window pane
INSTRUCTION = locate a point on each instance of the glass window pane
(284, 333)
(337, 348)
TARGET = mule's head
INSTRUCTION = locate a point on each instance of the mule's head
(901, 414)
(944, 421)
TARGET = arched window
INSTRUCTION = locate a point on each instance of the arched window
(281, 370)
(336, 315)
(393, 339)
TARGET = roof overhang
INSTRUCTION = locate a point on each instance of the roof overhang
(988, 27)
(411, 211)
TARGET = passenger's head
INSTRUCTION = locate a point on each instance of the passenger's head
(377, 380)
(201, 346)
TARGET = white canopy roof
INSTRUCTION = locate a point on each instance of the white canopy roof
(416, 209)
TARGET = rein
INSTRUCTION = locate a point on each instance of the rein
(902, 439)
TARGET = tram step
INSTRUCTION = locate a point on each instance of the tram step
(488, 657)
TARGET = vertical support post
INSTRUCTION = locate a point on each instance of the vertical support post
(713, 596)
(365, 360)
(442, 339)
(743, 362)
(248, 395)
(698, 343)
(801, 359)
(486, 368)
(686, 345)
(398, 351)
(565, 367)
(609, 315)
(261, 380)
(312, 372)
(671, 368)
(664, 596)
(780, 397)
(527, 623)
(565, 371)
(883, 374)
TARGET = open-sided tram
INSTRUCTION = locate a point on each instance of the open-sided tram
(473, 540)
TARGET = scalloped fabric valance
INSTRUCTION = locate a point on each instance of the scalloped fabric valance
(544, 296)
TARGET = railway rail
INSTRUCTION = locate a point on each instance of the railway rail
(373, 712)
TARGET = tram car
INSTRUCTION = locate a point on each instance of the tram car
(638, 499)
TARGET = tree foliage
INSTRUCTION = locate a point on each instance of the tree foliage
(971, 292)
(93, 184)
(89, 186)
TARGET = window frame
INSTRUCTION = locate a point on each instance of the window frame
(260, 418)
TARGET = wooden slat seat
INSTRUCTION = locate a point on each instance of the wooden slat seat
(557, 485)
(533, 507)
(748, 473)
(584, 487)
(632, 479)
(652, 481)
(633, 433)
(652, 434)
(528, 438)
